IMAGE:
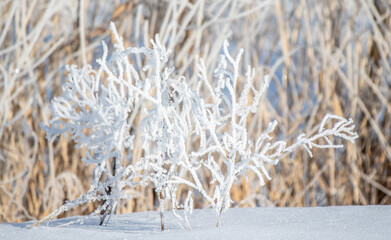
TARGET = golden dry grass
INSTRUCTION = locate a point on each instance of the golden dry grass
(325, 57)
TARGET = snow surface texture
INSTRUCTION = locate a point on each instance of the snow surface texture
(348, 222)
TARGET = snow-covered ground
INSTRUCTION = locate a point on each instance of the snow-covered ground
(352, 222)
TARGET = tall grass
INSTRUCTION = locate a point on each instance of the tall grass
(324, 57)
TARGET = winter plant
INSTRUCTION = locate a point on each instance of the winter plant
(98, 107)
(165, 127)
(95, 109)
(222, 126)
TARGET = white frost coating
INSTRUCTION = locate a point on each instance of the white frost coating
(97, 109)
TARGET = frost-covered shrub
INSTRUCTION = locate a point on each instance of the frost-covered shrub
(221, 121)
(185, 130)
(95, 111)
(165, 127)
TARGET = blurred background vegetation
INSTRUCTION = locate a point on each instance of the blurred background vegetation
(324, 56)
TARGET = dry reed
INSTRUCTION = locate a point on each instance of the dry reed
(325, 57)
